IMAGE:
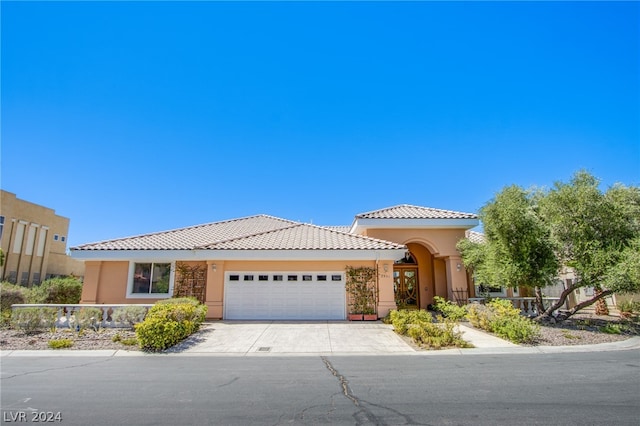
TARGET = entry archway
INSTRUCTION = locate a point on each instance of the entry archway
(419, 276)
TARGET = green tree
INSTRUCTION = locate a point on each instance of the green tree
(518, 251)
(575, 224)
(596, 233)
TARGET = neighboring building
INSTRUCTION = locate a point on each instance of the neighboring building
(264, 267)
(33, 239)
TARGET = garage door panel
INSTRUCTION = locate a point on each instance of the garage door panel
(284, 300)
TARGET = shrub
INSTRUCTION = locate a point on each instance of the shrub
(179, 300)
(10, 294)
(500, 317)
(449, 309)
(612, 329)
(67, 290)
(419, 325)
(168, 323)
(60, 343)
(479, 316)
(129, 314)
(402, 318)
(88, 317)
(30, 320)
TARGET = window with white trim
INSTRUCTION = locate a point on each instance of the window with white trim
(151, 278)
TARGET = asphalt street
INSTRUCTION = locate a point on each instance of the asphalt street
(541, 389)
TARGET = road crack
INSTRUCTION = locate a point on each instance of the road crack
(344, 383)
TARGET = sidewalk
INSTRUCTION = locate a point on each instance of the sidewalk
(339, 338)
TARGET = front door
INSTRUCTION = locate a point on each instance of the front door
(405, 287)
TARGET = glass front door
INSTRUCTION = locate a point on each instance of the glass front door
(405, 287)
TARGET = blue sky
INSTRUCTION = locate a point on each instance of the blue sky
(138, 117)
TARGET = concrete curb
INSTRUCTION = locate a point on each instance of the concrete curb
(625, 345)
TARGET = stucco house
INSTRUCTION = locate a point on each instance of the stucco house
(264, 267)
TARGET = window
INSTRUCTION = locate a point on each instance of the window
(263, 277)
(248, 277)
(336, 277)
(234, 277)
(62, 238)
(151, 278)
(306, 278)
(277, 277)
(56, 237)
(292, 278)
(321, 277)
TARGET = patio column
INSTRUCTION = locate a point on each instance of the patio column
(456, 276)
(214, 295)
(386, 296)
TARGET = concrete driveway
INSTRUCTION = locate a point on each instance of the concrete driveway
(283, 337)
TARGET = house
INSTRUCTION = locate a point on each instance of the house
(33, 241)
(264, 267)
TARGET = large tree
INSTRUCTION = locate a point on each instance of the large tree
(575, 224)
(518, 251)
(596, 234)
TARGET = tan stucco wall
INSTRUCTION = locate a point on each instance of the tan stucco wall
(440, 267)
(106, 281)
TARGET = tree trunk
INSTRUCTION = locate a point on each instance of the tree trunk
(566, 314)
(539, 302)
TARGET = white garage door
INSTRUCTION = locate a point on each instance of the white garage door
(284, 296)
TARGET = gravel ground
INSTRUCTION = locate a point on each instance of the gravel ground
(581, 329)
(86, 340)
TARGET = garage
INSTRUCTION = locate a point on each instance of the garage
(284, 296)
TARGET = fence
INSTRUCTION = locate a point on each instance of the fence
(65, 311)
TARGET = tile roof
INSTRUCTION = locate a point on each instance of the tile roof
(260, 232)
(340, 228)
(406, 211)
(475, 237)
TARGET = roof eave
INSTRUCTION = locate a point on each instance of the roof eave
(200, 255)
(363, 224)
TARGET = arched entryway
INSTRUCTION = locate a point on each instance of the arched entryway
(418, 277)
(406, 286)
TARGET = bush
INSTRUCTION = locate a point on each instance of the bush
(67, 290)
(403, 318)
(60, 343)
(419, 325)
(449, 309)
(10, 294)
(168, 323)
(30, 320)
(129, 314)
(179, 300)
(500, 317)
